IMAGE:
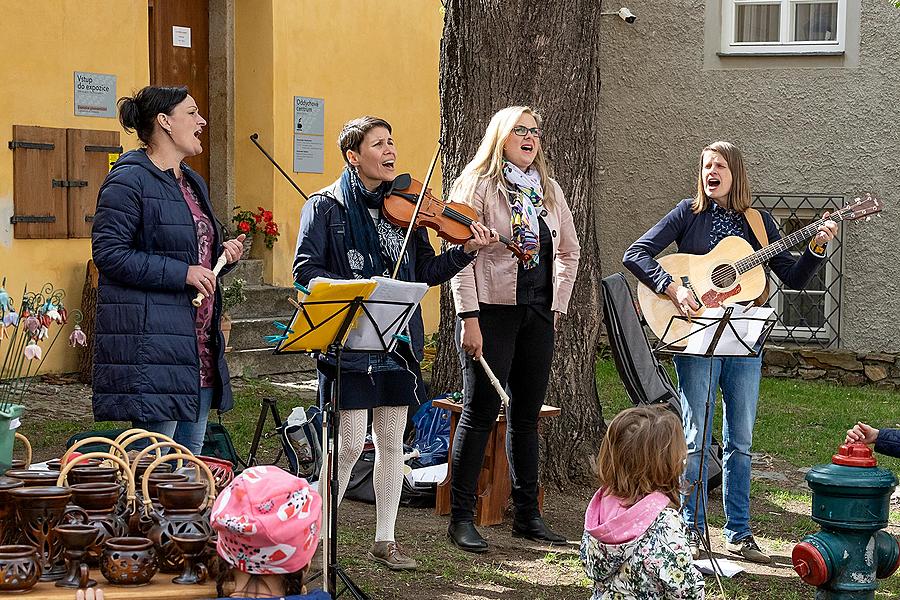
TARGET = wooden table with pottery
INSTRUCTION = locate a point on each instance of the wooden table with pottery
(494, 484)
(160, 586)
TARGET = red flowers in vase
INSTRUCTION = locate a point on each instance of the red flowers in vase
(260, 221)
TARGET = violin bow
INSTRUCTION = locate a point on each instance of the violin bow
(253, 138)
(415, 214)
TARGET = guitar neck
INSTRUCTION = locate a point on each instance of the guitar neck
(789, 241)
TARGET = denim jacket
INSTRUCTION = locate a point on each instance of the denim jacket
(321, 252)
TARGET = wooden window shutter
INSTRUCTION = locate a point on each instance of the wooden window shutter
(89, 154)
(39, 182)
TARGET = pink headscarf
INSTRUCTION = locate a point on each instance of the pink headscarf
(268, 522)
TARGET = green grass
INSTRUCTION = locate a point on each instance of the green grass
(799, 423)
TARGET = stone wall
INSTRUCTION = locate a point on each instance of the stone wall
(841, 366)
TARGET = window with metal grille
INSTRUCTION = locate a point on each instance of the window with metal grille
(812, 316)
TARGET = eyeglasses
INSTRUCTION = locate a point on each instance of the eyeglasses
(522, 131)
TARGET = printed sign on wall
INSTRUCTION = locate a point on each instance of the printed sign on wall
(95, 95)
(309, 131)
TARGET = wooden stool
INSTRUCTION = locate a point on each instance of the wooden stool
(494, 484)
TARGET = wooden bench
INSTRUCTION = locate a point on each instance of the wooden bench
(494, 484)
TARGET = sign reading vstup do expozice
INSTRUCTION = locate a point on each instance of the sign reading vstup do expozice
(309, 132)
(95, 95)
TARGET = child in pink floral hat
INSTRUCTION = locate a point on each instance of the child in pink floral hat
(268, 524)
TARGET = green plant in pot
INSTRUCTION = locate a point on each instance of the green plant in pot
(232, 295)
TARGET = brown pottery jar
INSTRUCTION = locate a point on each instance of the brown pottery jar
(128, 561)
(20, 568)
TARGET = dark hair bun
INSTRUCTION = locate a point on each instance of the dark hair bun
(129, 113)
(138, 112)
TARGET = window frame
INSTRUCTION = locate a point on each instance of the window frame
(786, 25)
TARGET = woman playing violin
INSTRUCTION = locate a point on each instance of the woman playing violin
(343, 235)
(508, 309)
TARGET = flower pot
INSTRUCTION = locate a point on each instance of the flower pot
(9, 421)
(248, 245)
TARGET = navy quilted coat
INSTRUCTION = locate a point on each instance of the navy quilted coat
(146, 365)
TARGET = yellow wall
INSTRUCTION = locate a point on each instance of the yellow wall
(378, 58)
(41, 45)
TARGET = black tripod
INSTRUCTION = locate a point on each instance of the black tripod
(721, 324)
(382, 331)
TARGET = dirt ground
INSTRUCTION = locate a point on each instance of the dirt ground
(513, 568)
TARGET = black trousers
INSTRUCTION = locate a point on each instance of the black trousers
(518, 346)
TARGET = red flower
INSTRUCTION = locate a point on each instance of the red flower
(267, 216)
(244, 226)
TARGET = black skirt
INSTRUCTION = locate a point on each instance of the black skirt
(389, 382)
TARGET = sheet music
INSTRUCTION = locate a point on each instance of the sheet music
(391, 318)
(747, 321)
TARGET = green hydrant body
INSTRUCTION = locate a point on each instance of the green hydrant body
(851, 502)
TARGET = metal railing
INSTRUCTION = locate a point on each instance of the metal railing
(812, 316)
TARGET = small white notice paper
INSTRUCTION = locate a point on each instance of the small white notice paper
(725, 567)
(746, 325)
(181, 36)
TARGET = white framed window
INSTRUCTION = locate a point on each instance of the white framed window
(784, 26)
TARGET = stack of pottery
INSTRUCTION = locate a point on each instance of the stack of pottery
(99, 500)
(8, 533)
(184, 511)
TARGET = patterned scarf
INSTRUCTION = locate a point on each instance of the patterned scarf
(363, 247)
(525, 197)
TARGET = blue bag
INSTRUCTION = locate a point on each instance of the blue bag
(432, 433)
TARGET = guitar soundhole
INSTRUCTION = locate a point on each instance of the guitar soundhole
(724, 276)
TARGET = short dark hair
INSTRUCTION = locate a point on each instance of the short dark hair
(138, 112)
(354, 131)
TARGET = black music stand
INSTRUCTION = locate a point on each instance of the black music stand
(346, 311)
(718, 326)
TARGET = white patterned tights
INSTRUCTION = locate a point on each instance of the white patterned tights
(388, 424)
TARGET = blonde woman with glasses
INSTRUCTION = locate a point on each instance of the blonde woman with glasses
(507, 311)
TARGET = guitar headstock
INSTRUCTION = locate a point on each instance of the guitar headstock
(862, 207)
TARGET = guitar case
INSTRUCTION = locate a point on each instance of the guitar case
(645, 379)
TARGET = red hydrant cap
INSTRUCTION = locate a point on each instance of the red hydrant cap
(809, 564)
(856, 454)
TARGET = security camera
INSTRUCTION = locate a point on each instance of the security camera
(626, 15)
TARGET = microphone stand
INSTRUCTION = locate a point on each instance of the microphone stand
(253, 138)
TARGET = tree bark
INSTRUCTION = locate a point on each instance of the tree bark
(544, 55)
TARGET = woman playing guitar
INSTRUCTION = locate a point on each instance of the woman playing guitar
(720, 209)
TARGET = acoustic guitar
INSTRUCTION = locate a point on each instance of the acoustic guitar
(730, 273)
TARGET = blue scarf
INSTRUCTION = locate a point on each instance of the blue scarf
(363, 247)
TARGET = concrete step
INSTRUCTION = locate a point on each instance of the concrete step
(264, 301)
(248, 269)
(248, 334)
(253, 363)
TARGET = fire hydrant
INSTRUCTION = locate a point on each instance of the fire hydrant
(851, 502)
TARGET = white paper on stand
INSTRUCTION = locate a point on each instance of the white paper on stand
(747, 321)
(391, 318)
(725, 567)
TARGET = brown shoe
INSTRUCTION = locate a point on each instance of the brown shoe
(391, 555)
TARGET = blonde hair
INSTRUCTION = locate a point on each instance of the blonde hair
(643, 452)
(739, 195)
(488, 160)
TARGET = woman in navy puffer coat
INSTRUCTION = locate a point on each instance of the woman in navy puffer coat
(158, 361)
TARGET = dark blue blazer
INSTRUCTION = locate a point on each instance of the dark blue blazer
(146, 365)
(321, 252)
(690, 233)
(888, 442)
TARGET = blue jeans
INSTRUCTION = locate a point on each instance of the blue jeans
(698, 379)
(187, 433)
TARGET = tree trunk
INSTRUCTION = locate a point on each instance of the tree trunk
(544, 55)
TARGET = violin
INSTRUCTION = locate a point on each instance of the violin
(450, 220)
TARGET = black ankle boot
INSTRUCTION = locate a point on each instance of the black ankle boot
(536, 530)
(464, 535)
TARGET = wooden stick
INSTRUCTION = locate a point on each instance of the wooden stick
(494, 381)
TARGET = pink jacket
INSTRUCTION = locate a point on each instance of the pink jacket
(491, 278)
